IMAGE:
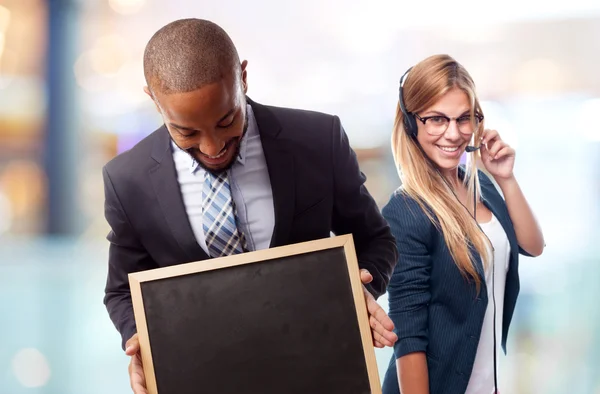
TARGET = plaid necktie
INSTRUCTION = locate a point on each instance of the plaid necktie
(218, 217)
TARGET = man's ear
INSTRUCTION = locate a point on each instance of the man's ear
(244, 76)
(149, 93)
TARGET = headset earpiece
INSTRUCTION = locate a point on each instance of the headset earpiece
(410, 122)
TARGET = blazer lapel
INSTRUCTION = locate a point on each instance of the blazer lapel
(164, 180)
(280, 164)
(493, 201)
(478, 262)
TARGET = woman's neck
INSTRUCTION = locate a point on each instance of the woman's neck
(451, 176)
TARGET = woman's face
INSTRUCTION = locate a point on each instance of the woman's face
(444, 142)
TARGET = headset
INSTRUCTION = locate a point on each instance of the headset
(410, 126)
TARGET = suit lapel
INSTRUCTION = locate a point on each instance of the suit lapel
(164, 181)
(493, 201)
(280, 164)
(478, 262)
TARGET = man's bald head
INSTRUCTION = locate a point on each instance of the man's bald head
(188, 54)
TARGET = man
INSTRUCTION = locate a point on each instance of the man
(271, 176)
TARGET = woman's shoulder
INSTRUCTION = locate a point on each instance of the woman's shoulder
(400, 201)
(404, 210)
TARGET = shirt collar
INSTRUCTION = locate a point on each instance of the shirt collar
(252, 131)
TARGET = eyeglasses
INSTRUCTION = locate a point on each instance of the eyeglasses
(438, 124)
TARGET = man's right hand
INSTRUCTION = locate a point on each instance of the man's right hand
(137, 378)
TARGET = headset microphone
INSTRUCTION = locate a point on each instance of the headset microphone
(470, 149)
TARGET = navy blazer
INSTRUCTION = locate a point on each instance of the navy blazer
(434, 308)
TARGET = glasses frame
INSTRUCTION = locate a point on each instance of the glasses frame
(424, 120)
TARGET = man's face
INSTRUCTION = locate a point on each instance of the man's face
(209, 122)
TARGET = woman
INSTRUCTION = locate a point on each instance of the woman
(454, 289)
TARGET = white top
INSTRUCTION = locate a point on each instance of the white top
(250, 190)
(482, 376)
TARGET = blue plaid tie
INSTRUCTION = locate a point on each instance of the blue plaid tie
(218, 217)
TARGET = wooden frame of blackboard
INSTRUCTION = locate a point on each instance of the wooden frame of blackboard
(345, 241)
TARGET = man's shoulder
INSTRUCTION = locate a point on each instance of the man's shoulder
(302, 119)
(294, 113)
(137, 157)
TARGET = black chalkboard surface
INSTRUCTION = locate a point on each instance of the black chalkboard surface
(284, 320)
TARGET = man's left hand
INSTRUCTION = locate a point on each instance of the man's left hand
(381, 325)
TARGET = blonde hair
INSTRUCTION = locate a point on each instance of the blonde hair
(426, 83)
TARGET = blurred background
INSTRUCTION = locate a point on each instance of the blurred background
(71, 99)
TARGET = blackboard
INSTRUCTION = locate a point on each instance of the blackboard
(284, 320)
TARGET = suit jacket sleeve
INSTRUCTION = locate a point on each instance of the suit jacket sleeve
(355, 212)
(126, 254)
(409, 292)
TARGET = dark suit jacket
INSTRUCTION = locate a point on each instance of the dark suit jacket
(435, 310)
(317, 189)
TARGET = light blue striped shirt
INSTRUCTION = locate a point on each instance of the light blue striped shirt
(250, 189)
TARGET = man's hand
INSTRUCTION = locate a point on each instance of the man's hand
(381, 325)
(137, 378)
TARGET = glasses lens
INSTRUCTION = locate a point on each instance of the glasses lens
(436, 125)
(467, 124)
